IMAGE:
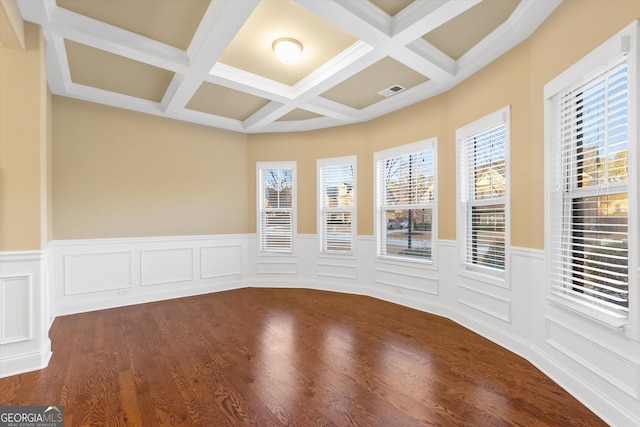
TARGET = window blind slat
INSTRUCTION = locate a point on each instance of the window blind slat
(337, 201)
(276, 206)
(483, 189)
(407, 184)
(590, 248)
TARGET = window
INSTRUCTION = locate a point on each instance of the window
(276, 206)
(337, 194)
(591, 187)
(483, 193)
(406, 200)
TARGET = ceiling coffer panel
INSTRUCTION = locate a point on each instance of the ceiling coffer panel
(252, 48)
(107, 71)
(392, 7)
(459, 35)
(362, 89)
(211, 62)
(225, 102)
(173, 22)
(299, 114)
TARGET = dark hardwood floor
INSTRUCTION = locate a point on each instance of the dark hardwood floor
(284, 357)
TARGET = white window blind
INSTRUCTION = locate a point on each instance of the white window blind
(590, 230)
(337, 194)
(406, 196)
(276, 203)
(484, 189)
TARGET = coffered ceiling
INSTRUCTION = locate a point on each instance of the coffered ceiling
(211, 61)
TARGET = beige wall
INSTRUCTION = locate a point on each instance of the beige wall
(122, 174)
(23, 137)
(504, 82)
(117, 173)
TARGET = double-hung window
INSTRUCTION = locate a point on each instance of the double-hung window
(406, 214)
(483, 193)
(276, 206)
(591, 148)
(336, 202)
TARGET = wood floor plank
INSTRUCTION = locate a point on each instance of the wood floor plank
(286, 357)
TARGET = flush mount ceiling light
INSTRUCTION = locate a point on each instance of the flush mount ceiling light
(287, 50)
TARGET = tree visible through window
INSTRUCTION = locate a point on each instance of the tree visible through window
(336, 189)
(406, 202)
(483, 184)
(595, 136)
(276, 202)
(590, 230)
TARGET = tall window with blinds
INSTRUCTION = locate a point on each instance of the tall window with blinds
(406, 197)
(590, 234)
(337, 194)
(276, 206)
(483, 192)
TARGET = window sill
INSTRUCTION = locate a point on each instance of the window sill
(337, 255)
(588, 312)
(276, 253)
(412, 262)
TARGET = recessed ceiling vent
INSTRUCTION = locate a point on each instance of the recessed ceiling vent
(391, 90)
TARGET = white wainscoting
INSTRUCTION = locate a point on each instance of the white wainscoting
(16, 309)
(24, 312)
(166, 265)
(87, 273)
(103, 273)
(598, 365)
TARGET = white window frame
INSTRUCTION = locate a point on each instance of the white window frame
(466, 201)
(379, 218)
(321, 165)
(260, 168)
(625, 42)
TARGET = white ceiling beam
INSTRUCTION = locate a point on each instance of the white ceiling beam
(422, 17)
(358, 18)
(428, 66)
(267, 114)
(113, 99)
(329, 108)
(351, 61)
(371, 25)
(99, 35)
(58, 73)
(219, 25)
(235, 78)
(379, 36)
(206, 119)
(299, 125)
(38, 12)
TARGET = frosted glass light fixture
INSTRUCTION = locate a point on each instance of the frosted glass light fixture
(287, 50)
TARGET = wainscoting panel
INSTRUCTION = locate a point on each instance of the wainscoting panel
(407, 277)
(277, 265)
(160, 266)
(221, 261)
(485, 302)
(103, 273)
(24, 312)
(337, 269)
(16, 309)
(94, 272)
(619, 370)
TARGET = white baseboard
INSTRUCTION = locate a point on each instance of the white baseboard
(26, 362)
